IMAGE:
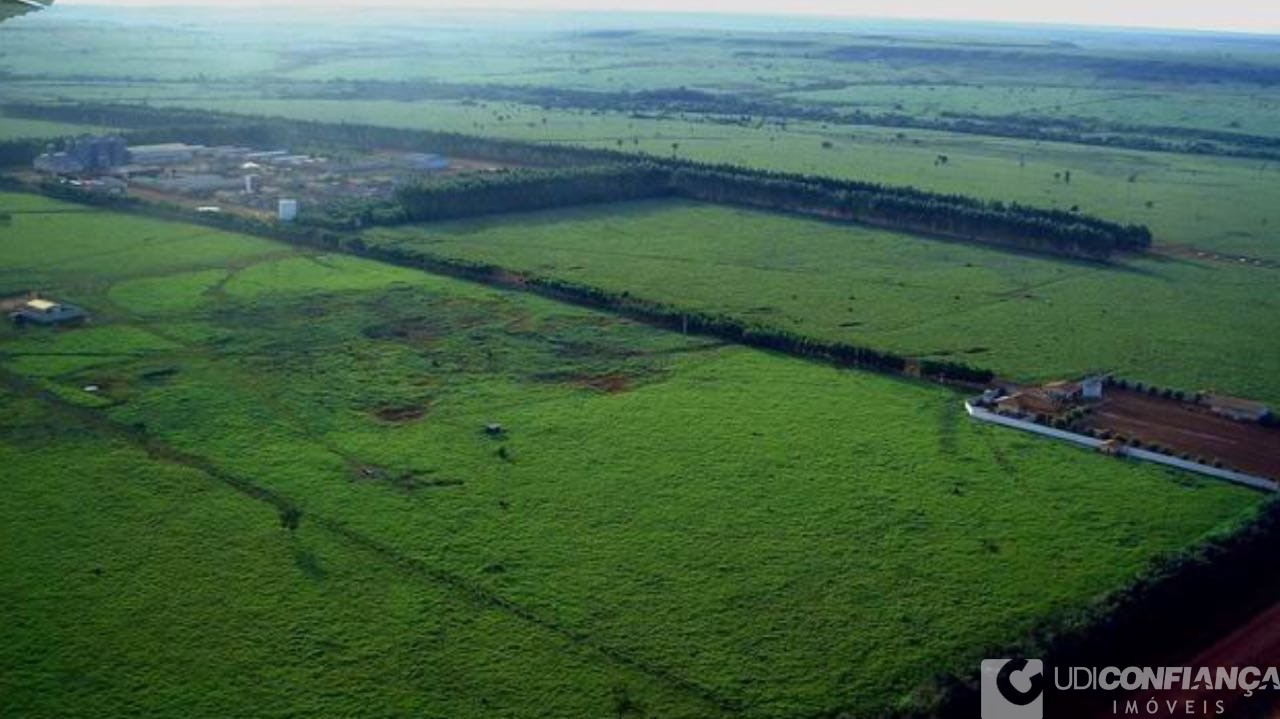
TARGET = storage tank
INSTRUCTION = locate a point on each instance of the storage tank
(288, 210)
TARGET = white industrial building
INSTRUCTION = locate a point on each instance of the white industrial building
(170, 153)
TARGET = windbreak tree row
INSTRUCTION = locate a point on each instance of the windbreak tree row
(906, 209)
(553, 176)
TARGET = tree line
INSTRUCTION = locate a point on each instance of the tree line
(14, 153)
(953, 216)
(750, 109)
(575, 175)
(906, 209)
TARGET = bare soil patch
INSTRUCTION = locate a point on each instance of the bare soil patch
(611, 383)
(1195, 253)
(407, 481)
(401, 414)
(9, 304)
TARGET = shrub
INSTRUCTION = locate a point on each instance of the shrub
(290, 517)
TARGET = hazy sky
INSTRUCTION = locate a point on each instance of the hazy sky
(1242, 15)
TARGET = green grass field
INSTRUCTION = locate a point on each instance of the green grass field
(12, 128)
(1026, 316)
(141, 587)
(1217, 203)
(669, 527)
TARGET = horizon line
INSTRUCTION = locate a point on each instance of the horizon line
(799, 13)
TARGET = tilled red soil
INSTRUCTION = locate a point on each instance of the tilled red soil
(1255, 644)
(1189, 429)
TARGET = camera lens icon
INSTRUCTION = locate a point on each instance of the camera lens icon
(1012, 689)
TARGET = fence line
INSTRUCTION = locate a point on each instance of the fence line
(1241, 478)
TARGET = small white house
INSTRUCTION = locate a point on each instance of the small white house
(1091, 388)
(46, 312)
(288, 210)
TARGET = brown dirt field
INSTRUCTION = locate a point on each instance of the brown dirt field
(1196, 253)
(9, 304)
(509, 279)
(1189, 429)
(1254, 644)
(192, 202)
(609, 383)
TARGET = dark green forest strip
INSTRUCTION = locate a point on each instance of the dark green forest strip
(744, 109)
(579, 178)
(953, 217)
(747, 109)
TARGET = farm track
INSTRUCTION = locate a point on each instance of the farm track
(998, 299)
(476, 594)
(1187, 252)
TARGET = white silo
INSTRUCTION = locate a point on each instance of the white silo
(288, 210)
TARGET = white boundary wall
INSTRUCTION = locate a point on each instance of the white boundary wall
(1247, 480)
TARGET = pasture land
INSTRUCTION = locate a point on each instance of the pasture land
(667, 526)
(136, 584)
(12, 128)
(450, 72)
(1155, 80)
(1172, 322)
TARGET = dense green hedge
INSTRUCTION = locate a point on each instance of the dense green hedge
(15, 153)
(914, 210)
(523, 190)
(905, 209)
